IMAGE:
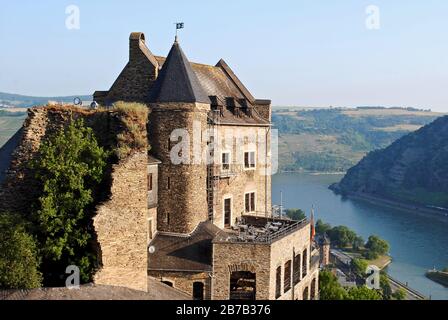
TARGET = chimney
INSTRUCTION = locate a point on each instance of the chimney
(134, 44)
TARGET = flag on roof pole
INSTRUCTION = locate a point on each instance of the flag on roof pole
(313, 230)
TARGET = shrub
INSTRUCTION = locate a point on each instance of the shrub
(377, 246)
(134, 117)
(19, 262)
(296, 214)
(70, 166)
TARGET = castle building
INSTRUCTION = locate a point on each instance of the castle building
(211, 232)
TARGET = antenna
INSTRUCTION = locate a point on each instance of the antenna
(281, 204)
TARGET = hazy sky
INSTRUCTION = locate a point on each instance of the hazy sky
(311, 53)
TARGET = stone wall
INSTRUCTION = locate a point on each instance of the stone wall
(283, 251)
(121, 222)
(121, 226)
(241, 180)
(263, 260)
(20, 188)
(184, 281)
(228, 257)
(182, 187)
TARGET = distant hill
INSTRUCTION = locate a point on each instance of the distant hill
(413, 169)
(21, 101)
(335, 139)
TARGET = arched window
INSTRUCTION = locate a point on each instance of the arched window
(242, 285)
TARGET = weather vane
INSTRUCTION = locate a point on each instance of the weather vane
(179, 25)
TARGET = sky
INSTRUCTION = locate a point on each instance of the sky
(315, 53)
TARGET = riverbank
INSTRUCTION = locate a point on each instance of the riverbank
(394, 204)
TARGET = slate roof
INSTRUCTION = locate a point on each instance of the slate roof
(221, 82)
(177, 82)
(184, 253)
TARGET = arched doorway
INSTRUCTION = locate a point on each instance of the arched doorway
(305, 294)
(198, 291)
(242, 285)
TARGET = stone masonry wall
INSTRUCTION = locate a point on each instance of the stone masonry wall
(121, 226)
(184, 281)
(121, 223)
(228, 257)
(241, 180)
(182, 187)
(20, 188)
(283, 250)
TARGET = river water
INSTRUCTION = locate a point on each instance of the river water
(418, 243)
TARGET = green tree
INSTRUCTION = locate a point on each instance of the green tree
(400, 294)
(329, 288)
(445, 269)
(342, 236)
(322, 227)
(376, 246)
(360, 266)
(363, 293)
(358, 243)
(295, 214)
(19, 262)
(70, 166)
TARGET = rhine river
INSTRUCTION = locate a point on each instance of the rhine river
(418, 243)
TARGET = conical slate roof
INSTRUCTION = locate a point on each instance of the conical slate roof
(177, 82)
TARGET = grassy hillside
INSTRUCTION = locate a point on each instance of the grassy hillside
(414, 169)
(333, 140)
(10, 122)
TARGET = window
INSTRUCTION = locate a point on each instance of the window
(249, 160)
(226, 161)
(150, 235)
(304, 263)
(250, 202)
(287, 277)
(168, 183)
(149, 181)
(227, 212)
(296, 269)
(278, 283)
(198, 291)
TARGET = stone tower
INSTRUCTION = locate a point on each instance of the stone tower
(178, 101)
(324, 245)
